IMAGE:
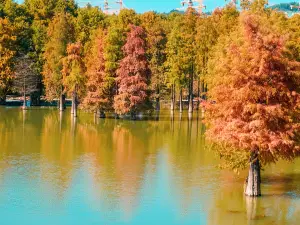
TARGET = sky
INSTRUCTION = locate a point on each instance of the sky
(163, 5)
(168, 5)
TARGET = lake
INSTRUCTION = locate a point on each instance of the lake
(55, 170)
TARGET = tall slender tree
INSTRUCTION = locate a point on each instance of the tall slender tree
(99, 96)
(133, 74)
(7, 54)
(26, 79)
(74, 74)
(156, 43)
(60, 33)
(175, 63)
(188, 32)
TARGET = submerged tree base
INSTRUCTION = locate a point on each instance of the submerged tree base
(252, 184)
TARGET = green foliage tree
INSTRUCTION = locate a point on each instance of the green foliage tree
(60, 33)
(88, 20)
(156, 40)
(74, 74)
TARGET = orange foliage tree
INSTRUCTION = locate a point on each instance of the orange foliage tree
(256, 92)
(99, 96)
(7, 54)
(133, 74)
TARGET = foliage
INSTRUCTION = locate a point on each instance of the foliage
(156, 43)
(74, 70)
(99, 83)
(88, 20)
(256, 92)
(60, 33)
(133, 74)
(7, 53)
(26, 79)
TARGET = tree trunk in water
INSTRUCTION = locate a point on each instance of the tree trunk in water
(74, 104)
(35, 99)
(3, 100)
(62, 102)
(102, 114)
(191, 103)
(180, 101)
(198, 102)
(157, 100)
(133, 115)
(173, 97)
(24, 101)
(252, 185)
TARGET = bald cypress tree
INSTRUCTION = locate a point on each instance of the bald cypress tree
(133, 74)
(60, 33)
(255, 118)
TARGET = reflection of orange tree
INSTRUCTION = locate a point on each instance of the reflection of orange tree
(186, 155)
(57, 153)
(18, 137)
(120, 151)
(277, 207)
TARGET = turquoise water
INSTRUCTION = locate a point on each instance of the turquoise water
(56, 170)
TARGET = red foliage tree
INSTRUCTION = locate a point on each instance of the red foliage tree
(133, 74)
(256, 90)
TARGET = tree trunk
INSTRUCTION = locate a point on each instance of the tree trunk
(173, 97)
(62, 102)
(3, 100)
(35, 99)
(133, 115)
(252, 185)
(102, 114)
(199, 94)
(180, 101)
(191, 106)
(157, 100)
(24, 101)
(74, 104)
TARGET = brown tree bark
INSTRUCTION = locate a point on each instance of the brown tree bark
(252, 185)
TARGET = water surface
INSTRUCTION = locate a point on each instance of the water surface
(56, 170)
